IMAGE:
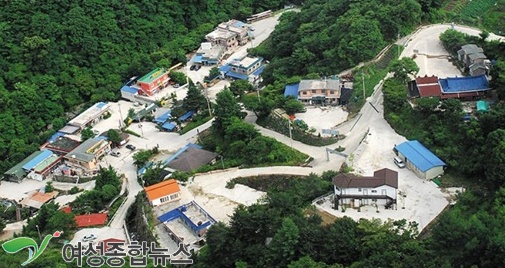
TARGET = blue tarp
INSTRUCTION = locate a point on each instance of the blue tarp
(179, 213)
(259, 71)
(55, 136)
(163, 118)
(100, 104)
(464, 84)
(169, 126)
(237, 75)
(419, 155)
(129, 89)
(225, 68)
(197, 59)
(238, 24)
(186, 116)
(37, 160)
(291, 90)
(170, 159)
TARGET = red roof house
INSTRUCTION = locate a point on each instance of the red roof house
(66, 209)
(89, 220)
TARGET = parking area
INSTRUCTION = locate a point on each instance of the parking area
(418, 200)
(323, 117)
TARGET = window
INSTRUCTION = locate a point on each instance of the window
(323, 91)
(314, 91)
(164, 199)
(359, 189)
(374, 200)
(174, 196)
(332, 92)
(304, 92)
(374, 191)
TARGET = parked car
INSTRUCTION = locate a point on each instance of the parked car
(88, 238)
(399, 162)
(197, 67)
(176, 85)
(192, 68)
(131, 147)
(115, 153)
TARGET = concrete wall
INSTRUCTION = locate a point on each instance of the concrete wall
(434, 172)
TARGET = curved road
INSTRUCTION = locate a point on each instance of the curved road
(354, 129)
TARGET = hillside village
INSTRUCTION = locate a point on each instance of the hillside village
(151, 146)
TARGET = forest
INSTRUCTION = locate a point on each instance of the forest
(57, 58)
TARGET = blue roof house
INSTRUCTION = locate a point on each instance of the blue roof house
(291, 90)
(419, 159)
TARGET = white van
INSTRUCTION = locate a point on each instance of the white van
(399, 162)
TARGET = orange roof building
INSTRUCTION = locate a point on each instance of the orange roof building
(37, 199)
(91, 220)
(163, 192)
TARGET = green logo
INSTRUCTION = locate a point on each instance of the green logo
(19, 243)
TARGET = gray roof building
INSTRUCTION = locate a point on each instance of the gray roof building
(17, 173)
(85, 151)
(191, 159)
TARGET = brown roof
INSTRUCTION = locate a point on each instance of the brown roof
(429, 90)
(38, 199)
(381, 177)
(191, 159)
(427, 80)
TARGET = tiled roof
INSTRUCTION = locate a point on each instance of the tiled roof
(427, 80)
(381, 177)
(162, 189)
(429, 90)
(88, 220)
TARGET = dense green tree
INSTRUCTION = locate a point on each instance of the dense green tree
(226, 108)
(178, 77)
(292, 106)
(240, 87)
(404, 68)
(114, 136)
(194, 99)
(87, 133)
(2, 224)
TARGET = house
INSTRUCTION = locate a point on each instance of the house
(40, 167)
(152, 82)
(229, 35)
(467, 87)
(420, 160)
(187, 223)
(129, 93)
(37, 199)
(87, 118)
(209, 54)
(91, 220)
(61, 146)
(190, 157)
(163, 192)
(246, 68)
(324, 91)
(87, 154)
(474, 59)
(354, 191)
(17, 173)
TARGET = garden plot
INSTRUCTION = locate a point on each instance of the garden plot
(322, 117)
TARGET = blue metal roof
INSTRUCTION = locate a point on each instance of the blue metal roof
(129, 89)
(43, 155)
(186, 116)
(197, 59)
(102, 138)
(144, 168)
(100, 104)
(419, 155)
(169, 126)
(55, 136)
(163, 118)
(237, 75)
(259, 70)
(291, 90)
(464, 84)
(225, 68)
(238, 24)
(170, 159)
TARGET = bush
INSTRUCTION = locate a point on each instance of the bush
(74, 190)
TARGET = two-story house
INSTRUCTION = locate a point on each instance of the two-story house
(354, 191)
(474, 59)
(87, 155)
(229, 35)
(247, 68)
(316, 92)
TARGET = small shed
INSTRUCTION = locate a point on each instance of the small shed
(482, 106)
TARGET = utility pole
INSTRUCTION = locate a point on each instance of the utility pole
(120, 116)
(38, 231)
(363, 78)
(208, 102)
